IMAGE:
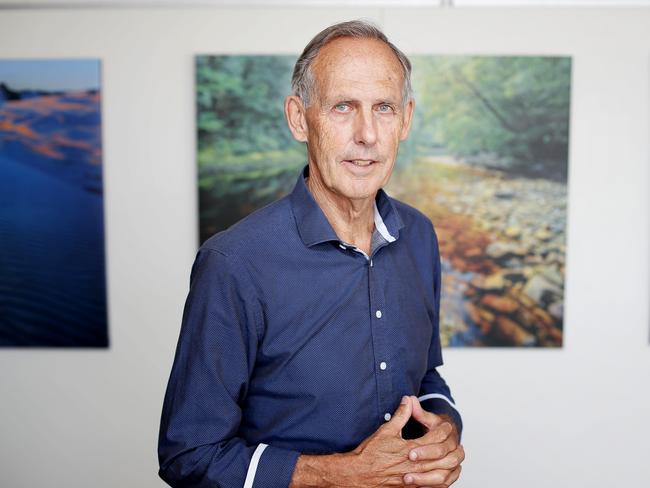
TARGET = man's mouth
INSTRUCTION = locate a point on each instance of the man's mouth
(361, 162)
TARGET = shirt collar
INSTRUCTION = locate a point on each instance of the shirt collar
(314, 227)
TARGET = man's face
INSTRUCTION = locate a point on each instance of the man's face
(355, 119)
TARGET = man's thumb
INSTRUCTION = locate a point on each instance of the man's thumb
(402, 414)
(428, 419)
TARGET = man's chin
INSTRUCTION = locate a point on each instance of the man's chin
(361, 192)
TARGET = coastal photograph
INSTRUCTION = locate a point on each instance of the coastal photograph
(52, 264)
(486, 161)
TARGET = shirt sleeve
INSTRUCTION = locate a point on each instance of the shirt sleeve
(199, 443)
(435, 395)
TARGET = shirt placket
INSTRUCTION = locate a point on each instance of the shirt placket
(379, 323)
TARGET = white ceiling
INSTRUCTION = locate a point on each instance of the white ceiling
(320, 3)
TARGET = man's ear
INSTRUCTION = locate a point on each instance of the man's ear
(407, 119)
(294, 111)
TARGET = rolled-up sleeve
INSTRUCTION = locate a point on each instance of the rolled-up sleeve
(198, 443)
(434, 394)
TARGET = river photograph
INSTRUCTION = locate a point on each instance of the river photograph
(486, 161)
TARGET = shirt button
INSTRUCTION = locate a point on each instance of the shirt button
(378, 314)
(382, 365)
(387, 416)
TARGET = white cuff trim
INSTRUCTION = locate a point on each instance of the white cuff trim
(441, 397)
(252, 467)
(381, 227)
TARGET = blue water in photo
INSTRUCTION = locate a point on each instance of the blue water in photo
(52, 277)
(52, 266)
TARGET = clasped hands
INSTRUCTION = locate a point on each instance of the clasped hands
(387, 459)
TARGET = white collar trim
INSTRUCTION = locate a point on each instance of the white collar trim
(381, 227)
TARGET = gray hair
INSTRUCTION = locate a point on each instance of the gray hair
(302, 81)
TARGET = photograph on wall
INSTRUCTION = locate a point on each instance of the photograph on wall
(52, 265)
(486, 161)
(247, 157)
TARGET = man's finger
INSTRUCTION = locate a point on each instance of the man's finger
(430, 478)
(401, 416)
(437, 478)
(439, 433)
(453, 476)
(428, 419)
(449, 461)
(433, 451)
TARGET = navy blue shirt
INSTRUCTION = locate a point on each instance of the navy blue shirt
(295, 342)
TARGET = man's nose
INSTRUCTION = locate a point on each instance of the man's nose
(365, 132)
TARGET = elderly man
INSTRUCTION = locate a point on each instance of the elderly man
(309, 346)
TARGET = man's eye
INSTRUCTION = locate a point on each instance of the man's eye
(385, 108)
(342, 107)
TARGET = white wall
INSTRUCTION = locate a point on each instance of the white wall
(575, 417)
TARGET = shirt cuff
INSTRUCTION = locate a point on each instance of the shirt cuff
(271, 467)
(440, 404)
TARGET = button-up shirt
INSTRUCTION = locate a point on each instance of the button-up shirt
(294, 342)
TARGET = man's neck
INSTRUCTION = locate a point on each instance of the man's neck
(353, 221)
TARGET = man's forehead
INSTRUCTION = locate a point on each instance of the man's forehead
(360, 59)
(356, 50)
(358, 92)
(369, 54)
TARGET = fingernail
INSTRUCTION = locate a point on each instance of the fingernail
(408, 479)
(413, 455)
(405, 400)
